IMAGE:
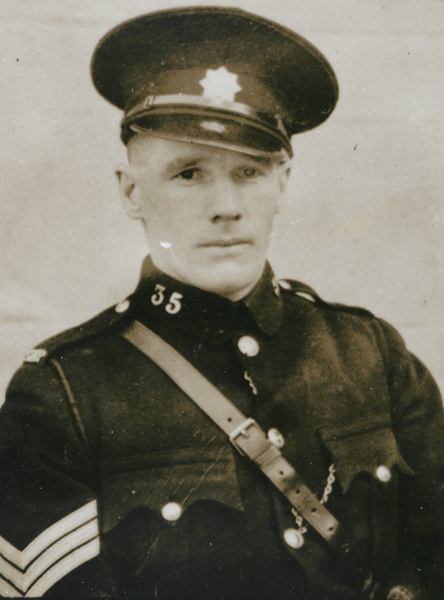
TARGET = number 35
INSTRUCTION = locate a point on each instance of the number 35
(174, 304)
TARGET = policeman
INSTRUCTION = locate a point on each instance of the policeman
(219, 434)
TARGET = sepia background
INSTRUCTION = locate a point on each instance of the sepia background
(363, 223)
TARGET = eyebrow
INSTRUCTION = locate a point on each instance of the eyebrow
(182, 164)
(259, 159)
(191, 163)
(178, 164)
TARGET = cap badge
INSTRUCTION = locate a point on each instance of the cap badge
(220, 85)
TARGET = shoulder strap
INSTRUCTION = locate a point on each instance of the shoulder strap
(244, 433)
(72, 405)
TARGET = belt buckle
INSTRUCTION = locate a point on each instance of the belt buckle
(242, 430)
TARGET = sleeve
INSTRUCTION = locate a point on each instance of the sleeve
(49, 517)
(418, 423)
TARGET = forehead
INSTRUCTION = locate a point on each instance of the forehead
(145, 149)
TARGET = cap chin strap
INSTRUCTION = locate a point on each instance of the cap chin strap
(207, 104)
(248, 438)
(192, 100)
(280, 156)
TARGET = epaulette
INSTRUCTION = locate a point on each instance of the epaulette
(305, 291)
(104, 320)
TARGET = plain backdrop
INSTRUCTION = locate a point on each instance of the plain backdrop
(363, 223)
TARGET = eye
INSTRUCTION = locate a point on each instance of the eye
(249, 173)
(187, 174)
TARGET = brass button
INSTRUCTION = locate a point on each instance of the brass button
(248, 345)
(171, 511)
(276, 288)
(275, 437)
(306, 296)
(286, 285)
(122, 306)
(293, 538)
(399, 592)
(383, 473)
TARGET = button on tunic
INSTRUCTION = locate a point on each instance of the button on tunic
(248, 345)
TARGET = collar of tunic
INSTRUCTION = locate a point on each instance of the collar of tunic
(205, 314)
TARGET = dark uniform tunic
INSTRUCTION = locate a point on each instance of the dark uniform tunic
(97, 442)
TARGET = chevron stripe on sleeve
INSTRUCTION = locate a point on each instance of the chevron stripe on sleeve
(53, 554)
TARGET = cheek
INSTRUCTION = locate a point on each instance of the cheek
(156, 205)
(266, 206)
(170, 224)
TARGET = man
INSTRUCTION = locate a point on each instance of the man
(129, 474)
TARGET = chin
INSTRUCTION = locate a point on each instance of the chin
(231, 284)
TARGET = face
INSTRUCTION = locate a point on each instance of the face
(207, 212)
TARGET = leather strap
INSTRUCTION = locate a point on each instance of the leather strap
(244, 433)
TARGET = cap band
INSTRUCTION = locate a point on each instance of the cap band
(191, 105)
(189, 99)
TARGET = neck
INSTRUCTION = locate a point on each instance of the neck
(239, 294)
(234, 295)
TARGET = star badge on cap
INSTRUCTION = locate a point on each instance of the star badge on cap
(220, 85)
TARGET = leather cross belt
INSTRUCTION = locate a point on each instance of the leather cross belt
(246, 436)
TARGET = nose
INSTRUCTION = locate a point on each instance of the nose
(225, 203)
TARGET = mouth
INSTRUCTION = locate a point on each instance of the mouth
(225, 243)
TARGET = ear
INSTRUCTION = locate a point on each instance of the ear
(283, 177)
(128, 191)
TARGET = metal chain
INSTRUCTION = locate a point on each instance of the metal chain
(330, 481)
(251, 383)
(300, 527)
